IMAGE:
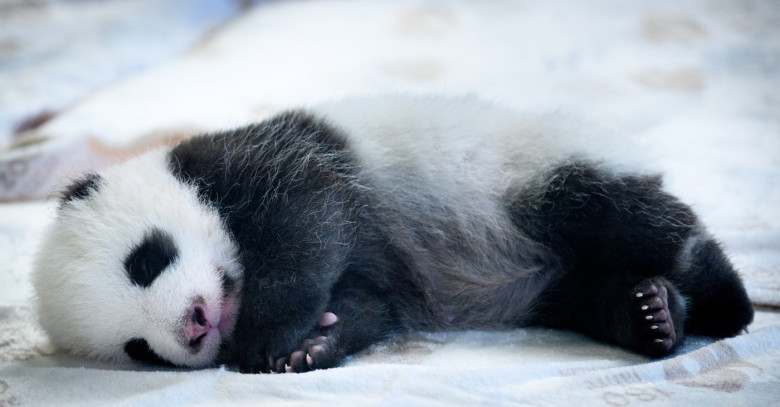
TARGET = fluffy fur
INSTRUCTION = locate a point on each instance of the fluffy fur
(393, 213)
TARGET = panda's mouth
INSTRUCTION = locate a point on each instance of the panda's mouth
(195, 343)
(209, 321)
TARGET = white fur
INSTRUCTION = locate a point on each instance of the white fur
(466, 143)
(87, 303)
(465, 150)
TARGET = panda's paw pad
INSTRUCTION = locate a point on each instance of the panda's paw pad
(318, 352)
(312, 354)
(654, 317)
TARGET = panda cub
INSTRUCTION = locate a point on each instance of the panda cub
(290, 244)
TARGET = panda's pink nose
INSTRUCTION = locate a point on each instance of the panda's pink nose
(198, 326)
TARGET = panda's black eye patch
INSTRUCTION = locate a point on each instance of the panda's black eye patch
(138, 349)
(147, 260)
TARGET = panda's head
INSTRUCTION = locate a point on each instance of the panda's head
(136, 267)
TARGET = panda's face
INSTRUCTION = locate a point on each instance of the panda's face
(135, 267)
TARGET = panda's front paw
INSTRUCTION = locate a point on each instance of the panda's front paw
(263, 348)
(318, 352)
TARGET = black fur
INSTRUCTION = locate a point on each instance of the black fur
(721, 307)
(287, 203)
(138, 349)
(614, 233)
(150, 258)
(81, 188)
(315, 236)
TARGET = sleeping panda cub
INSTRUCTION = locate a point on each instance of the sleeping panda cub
(290, 244)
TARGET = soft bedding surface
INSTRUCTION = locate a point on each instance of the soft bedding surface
(694, 83)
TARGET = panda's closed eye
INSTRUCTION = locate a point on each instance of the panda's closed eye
(150, 257)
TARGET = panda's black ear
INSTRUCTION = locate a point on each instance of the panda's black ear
(81, 188)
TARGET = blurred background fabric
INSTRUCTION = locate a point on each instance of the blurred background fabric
(694, 84)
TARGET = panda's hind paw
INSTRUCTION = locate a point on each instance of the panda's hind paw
(656, 316)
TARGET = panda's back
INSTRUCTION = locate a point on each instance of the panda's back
(439, 176)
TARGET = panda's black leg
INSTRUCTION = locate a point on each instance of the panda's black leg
(646, 314)
(719, 305)
(357, 317)
(636, 270)
(274, 324)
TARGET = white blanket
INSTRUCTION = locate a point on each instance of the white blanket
(695, 81)
(526, 366)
